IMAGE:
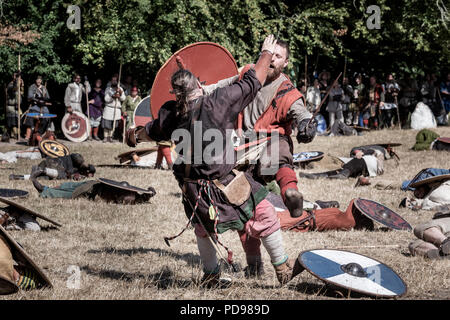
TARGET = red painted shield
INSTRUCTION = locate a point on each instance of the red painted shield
(75, 126)
(208, 61)
(381, 214)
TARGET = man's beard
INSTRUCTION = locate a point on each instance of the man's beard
(273, 73)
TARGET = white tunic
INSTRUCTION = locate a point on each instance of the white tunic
(113, 107)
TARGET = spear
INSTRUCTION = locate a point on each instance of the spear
(324, 98)
(115, 99)
(306, 71)
(18, 102)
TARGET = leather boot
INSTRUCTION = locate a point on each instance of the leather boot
(16, 177)
(288, 270)
(213, 280)
(254, 270)
(294, 202)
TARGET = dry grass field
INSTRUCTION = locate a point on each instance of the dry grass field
(122, 255)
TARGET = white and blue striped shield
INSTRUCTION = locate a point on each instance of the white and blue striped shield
(307, 156)
(354, 272)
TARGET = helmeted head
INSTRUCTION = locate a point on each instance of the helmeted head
(38, 81)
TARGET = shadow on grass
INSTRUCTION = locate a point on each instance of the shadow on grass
(164, 279)
(192, 259)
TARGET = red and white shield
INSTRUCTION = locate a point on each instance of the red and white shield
(75, 126)
(208, 61)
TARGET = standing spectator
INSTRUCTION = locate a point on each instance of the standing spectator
(348, 94)
(409, 100)
(376, 99)
(324, 78)
(39, 99)
(445, 93)
(357, 101)
(127, 85)
(114, 96)
(428, 90)
(313, 97)
(391, 90)
(130, 104)
(13, 111)
(74, 94)
(334, 106)
(96, 101)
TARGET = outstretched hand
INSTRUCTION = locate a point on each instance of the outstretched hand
(269, 44)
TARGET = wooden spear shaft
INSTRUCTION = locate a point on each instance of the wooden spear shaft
(18, 102)
(115, 99)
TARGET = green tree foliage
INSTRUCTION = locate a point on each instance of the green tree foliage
(412, 39)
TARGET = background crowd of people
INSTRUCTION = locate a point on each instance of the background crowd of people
(376, 104)
(356, 100)
(108, 105)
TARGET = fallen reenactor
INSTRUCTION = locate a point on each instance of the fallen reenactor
(339, 128)
(431, 193)
(424, 139)
(16, 217)
(360, 165)
(433, 238)
(17, 269)
(72, 166)
(385, 148)
(31, 153)
(104, 189)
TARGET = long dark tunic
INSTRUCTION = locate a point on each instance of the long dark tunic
(219, 110)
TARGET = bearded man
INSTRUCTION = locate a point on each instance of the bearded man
(219, 197)
(275, 107)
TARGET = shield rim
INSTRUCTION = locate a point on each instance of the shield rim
(316, 158)
(22, 252)
(443, 177)
(36, 115)
(140, 152)
(351, 289)
(47, 153)
(373, 219)
(134, 112)
(16, 197)
(138, 191)
(29, 211)
(64, 130)
(174, 55)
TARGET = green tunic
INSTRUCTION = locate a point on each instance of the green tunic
(65, 190)
(424, 138)
(129, 106)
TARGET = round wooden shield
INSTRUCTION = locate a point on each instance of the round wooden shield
(13, 193)
(22, 257)
(128, 156)
(381, 214)
(208, 61)
(124, 185)
(20, 208)
(142, 114)
(75, 126)
(41, 115)
(53, 149)
(354, 272)
(439, 178)
(307, 156)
